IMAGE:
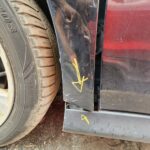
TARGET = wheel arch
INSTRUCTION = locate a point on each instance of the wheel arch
(76, 36)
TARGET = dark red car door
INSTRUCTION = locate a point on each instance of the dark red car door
(125, 84)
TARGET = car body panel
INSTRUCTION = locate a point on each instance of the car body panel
(124, 111)
(126, 56)
(75, 23)
(116, 125)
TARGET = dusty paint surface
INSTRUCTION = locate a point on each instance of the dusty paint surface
(75, 23)
(49, 136)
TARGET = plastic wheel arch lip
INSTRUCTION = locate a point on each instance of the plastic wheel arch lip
(76, 32)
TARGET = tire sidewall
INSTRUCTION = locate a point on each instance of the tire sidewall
(18, 51)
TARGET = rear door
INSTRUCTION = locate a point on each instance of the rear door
(125, 79)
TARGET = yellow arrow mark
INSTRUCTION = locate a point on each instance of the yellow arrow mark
(85, 118)
(81, 80)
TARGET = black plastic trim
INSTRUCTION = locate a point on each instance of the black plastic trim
(117, 125)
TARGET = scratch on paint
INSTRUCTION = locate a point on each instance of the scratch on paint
(81, 80)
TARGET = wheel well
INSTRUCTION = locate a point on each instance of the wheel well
(43, 5)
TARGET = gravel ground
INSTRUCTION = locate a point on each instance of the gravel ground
(49, 136)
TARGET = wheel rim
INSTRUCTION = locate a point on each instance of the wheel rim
(6, 87)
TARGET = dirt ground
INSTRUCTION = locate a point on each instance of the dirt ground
(49, 136)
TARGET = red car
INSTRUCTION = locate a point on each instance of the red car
(103, 47)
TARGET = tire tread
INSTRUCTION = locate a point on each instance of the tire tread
(43, 45)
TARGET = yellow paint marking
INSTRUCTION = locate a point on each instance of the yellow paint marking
(85, 118)
(81, 80)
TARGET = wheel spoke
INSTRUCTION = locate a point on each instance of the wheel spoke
(3, 101)
(6, 95)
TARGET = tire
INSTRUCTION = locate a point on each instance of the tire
(30, 46)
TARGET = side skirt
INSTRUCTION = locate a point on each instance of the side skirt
(117, 125)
